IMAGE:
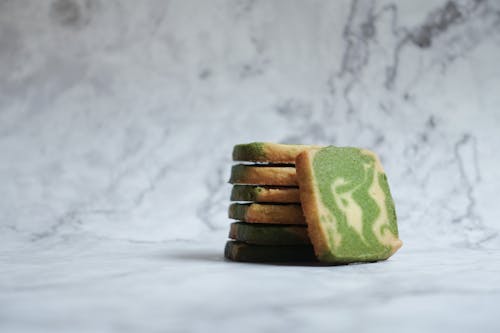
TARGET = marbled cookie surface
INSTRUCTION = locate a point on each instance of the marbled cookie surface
(263, 175)
(240, 251)
(269, 234)
(348, 206)
(267, 213)
(268, 152)
(265, 194)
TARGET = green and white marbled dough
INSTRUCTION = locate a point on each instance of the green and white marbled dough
(262, 234)
(351, 206)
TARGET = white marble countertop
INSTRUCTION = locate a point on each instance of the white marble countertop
(93, 285)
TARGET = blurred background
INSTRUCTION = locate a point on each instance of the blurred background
(117, 118)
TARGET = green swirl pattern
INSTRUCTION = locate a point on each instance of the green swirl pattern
(360, 216)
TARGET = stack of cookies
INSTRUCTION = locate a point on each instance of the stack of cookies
(271, 225)
(308, 203)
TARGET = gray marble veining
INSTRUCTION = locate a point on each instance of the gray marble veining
(117, 121)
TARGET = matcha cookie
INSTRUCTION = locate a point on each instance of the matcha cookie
(269, 234)
(267, 213)
(348, 206)
(265, 194)
(263, 175)
(268, 152)
(239, 251)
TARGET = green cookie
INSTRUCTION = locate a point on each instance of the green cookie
(270, 194)
(268, 152)
(263, 174)
(239, 251)
(269, 234)
(347, 204)
(267, 213)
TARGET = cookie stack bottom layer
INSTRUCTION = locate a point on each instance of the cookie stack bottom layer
(241, 251)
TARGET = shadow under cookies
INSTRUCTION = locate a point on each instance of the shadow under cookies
(197, 255)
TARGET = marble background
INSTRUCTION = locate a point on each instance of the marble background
(117, 118)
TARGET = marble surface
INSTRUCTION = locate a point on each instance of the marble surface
(83, 284)
(117, 121)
